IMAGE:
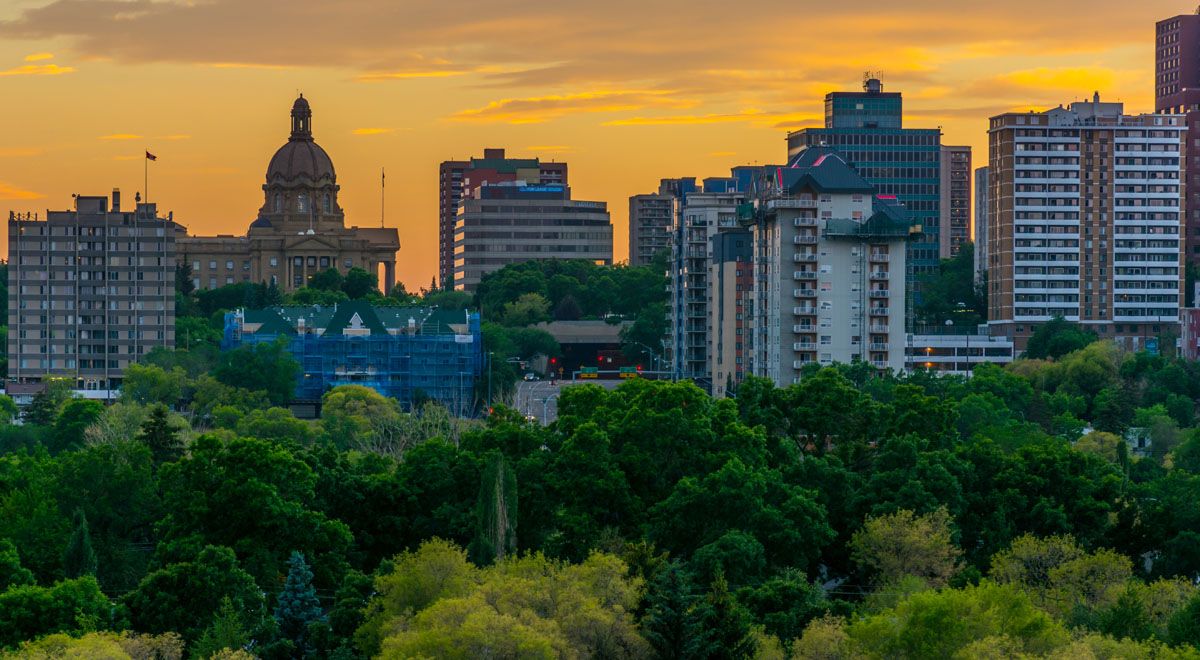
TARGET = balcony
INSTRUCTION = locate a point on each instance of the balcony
(803, 328)
(804, 346)
(879, 311)
(804, 275)
(879, 257)
(881, 329)
(791, 203)
(879, 347)
(805, 239)
(804, 311)
(804, 293)
(802, 257)
(879, 293)
(879, 275)
(879, 364)
(799, 364)
(805, 222)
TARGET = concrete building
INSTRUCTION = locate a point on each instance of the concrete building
(703, 216)
(1177, 91)
(455, 177)
(90, 290)
(732, 282)
(651, 217)
(401, 352)
(955, 190)
(981, 223)
(1084, 221)
(867, 129)
(956, 353)
(300, 228)
(511, 222)
(829, 259)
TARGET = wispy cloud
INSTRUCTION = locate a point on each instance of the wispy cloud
(120, 136)
(544, 108)
(244, 65)
(38, 70)
(380, 76)
(38, 56)
(9, 191)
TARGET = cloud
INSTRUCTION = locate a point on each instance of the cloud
(38, 56)
(751, 115)
(544, 108)
(120, 136)
(1033, 85)
(379, 76)
(244, 65)
(373, 131)
(38, 70)
(9, 191)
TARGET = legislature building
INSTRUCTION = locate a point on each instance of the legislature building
(300, 228)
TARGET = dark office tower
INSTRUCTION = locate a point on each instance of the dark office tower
(455, 176)
(1177, 91)
(866, 128)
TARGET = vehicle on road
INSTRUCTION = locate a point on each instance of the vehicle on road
(531, 376)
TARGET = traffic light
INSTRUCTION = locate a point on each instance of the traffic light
(639, 368)
(553, 360)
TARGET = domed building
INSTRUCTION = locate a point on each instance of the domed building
(300, 228)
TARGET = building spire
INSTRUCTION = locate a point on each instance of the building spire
(301, 120)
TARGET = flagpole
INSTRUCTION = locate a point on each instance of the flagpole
(382, 183)
(146, 175)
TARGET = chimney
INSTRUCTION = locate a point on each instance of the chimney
(116, 200)
(490, 154)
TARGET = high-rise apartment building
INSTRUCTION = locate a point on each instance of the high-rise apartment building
(455, 177)
(732, 278)
(829, 264)
(981, 223)
(510, 222)
(955, 203)
(90, 291)
(1177, 91)
(651, 217)
(1084, 221)
(867, 129)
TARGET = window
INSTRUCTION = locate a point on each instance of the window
(212, 265)
(228, 265)
(349, 263)
(278, 203)
(274, 262)
(195, 265)
(229, 280)
(301, 202)
(328, 204)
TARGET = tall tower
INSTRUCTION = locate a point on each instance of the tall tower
(301, 189)
(1177, 90)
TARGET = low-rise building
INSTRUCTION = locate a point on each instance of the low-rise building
(956, 353)
(407, 353)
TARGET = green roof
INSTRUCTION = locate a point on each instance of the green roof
(507, 165)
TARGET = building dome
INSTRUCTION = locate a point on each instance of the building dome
(301, 158)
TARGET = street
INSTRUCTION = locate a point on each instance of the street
(539, 398)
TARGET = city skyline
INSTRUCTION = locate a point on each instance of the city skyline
(625, 102)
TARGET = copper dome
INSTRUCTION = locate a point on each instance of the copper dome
(300, 157)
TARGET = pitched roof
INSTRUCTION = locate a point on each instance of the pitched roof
(824, 169)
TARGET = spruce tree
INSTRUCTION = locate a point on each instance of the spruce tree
(674, 623)
(495, 512)
(159, 434)
(298, 606)
(79, 558)
(43, 410)
(727, 624)
(226, 632)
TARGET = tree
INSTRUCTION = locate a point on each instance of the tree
(161, 436)
(76, 416)
(905, 545)
(568, 309)
(43, 410)
(954, 293)
(326, 280)
(496, 512)
(297, 607)
(8, 409)
(359, 283)
(674, 624)
(225, 632)
(529, 309)
(1057, 337)
(31, 611)
(79, 559)
(11, 573)
(146, 384)
(727, 624)
(268, 367)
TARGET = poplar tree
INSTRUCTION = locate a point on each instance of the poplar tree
(79, 558)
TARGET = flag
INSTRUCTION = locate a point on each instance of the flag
(150, 156)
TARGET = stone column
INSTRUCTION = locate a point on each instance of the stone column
(389, 270)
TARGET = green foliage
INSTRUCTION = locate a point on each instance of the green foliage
(76, 416)
(674, 621)
(297, 607)
(31, 611)
(266, 367)
(11, 572)
(597, 290)
(330, 279)
(160, 435)
(79, 559)
(226, 632)
(496, 512)
(1056, 338)
(953, 293)
(359, 283)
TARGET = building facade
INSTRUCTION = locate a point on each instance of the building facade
(407, 353)
(90, 291)
(829, 264)
(1085, 221)
(956, 353)
(981, 223)
(1177, 91)
(867, 129)
(732, 278)
(955, 190)
(300, 228)
(650, 220)
(510, 222)
(455, 177)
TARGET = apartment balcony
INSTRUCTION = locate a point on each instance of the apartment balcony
(803, 328)
(804, 346)
(879, 311)
(804, 311)
(804, 293)
(804, 222)
(879, 347)
(791, 203)
(805, 239)
(804, 275)
(879, 275)
(881, 329)
(799, 364)
(879, 293)
(879, 364)
(804, 257)
(879, 257)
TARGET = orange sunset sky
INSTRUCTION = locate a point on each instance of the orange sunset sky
(626, 92)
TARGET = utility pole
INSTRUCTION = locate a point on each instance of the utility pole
(490, 379)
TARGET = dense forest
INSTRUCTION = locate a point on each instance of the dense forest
(1043, 510)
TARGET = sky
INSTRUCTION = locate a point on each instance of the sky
(626, 92)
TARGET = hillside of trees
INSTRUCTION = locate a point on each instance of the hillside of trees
(848, 516)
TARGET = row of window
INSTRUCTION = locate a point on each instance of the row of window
(302, 204)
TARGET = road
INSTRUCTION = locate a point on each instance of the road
(539, 398)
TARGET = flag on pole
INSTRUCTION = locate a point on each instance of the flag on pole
(150, 156)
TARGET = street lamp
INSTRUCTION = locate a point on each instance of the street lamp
(650, 351)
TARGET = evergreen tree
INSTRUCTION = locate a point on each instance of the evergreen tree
(11, 572)
(298, 606)
(159, 434)
(674, 623)
(226, 632)
(43, 410)
(727, 624)
(79, 558)
(495, 512)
